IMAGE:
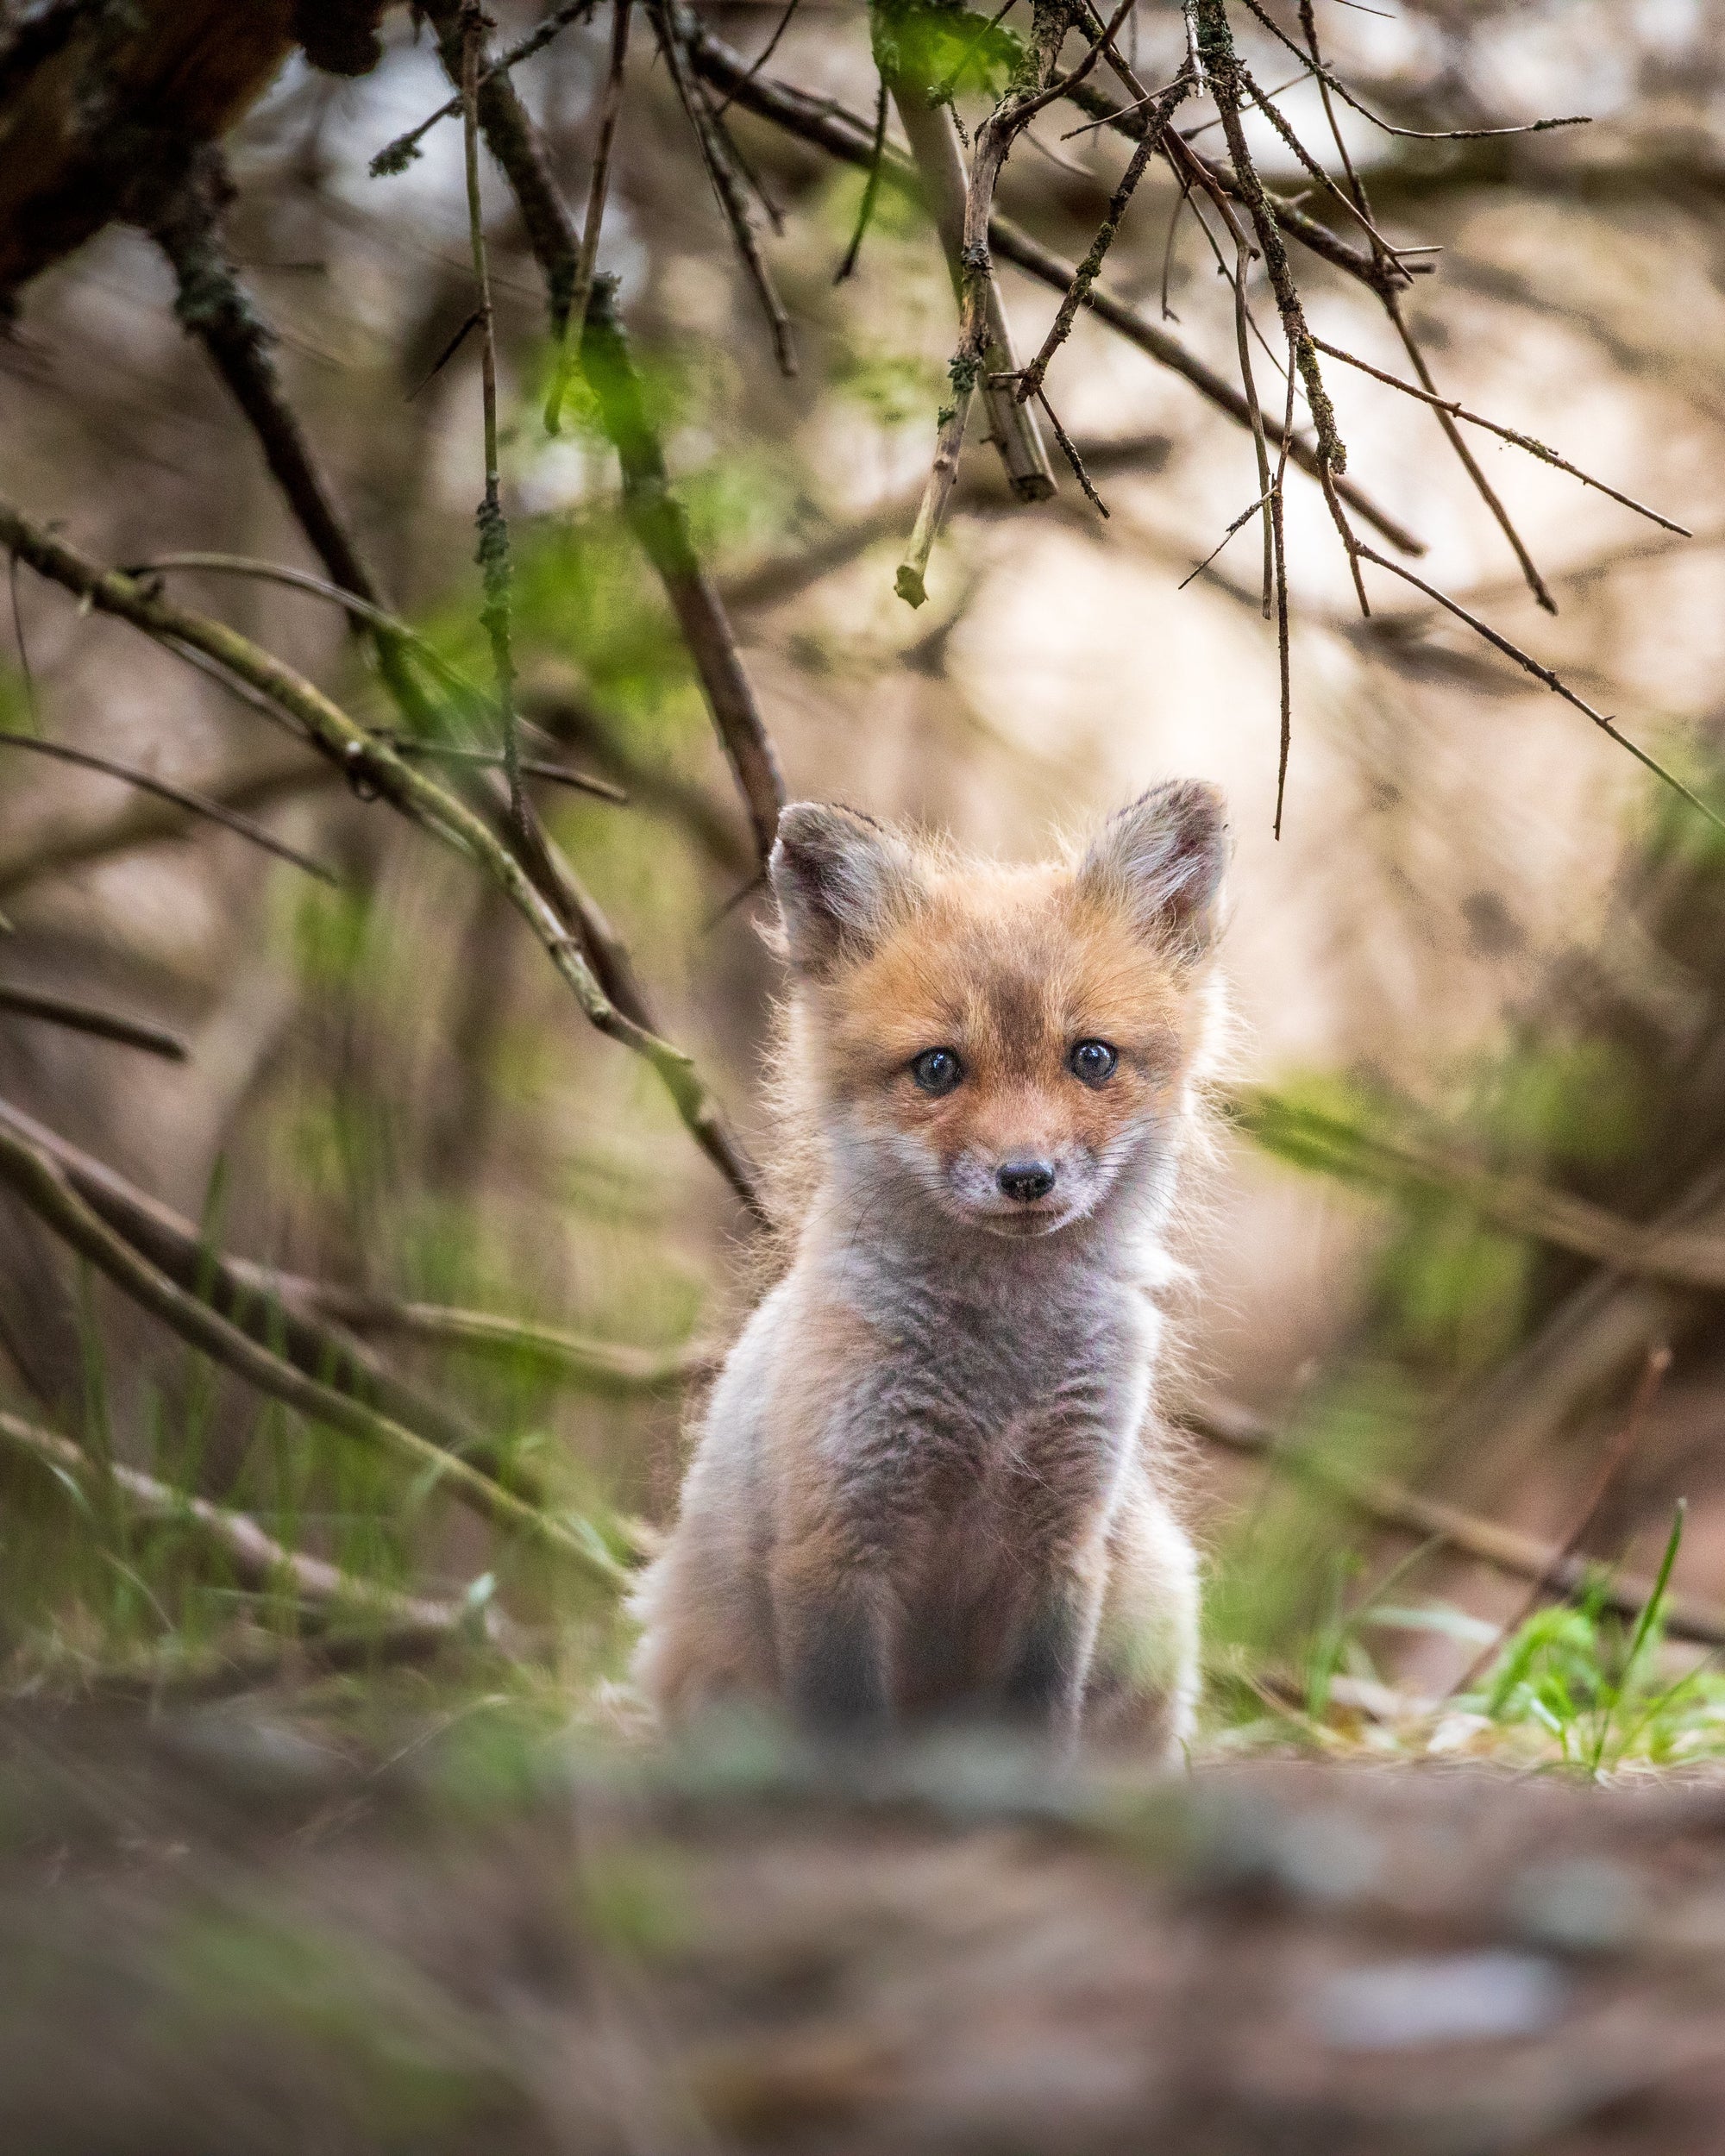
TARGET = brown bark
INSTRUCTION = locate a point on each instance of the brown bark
(92, 93)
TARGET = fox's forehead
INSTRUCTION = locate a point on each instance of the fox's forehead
(1011, 965)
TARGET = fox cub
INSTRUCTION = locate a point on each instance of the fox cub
(924, 1484)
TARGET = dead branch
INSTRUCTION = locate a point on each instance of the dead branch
(196, 805)
(979, 300)
(86, 1018)
(1505, 1549)
(1221, 65)
(66, 845)
(1555, 682)
(530, 767)
(1156, 121)
(939, 168)
(655, 515)
(36, 1179)
(1469, 463)
(1364, 264)
(1686, 1257)
(727, 185)
(258, 1558)
(828, 126)
(1383, 270)
(279, 1311)
(1506, 434)
(598, 184)
(599, 1366)
(395, 156)
(1412, 135)
(370, 764)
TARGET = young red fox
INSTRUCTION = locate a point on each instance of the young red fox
(924, 1484)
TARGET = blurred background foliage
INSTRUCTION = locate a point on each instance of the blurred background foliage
(1486, 946)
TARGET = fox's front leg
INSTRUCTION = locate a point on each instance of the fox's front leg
(831, 1620)
(1046, 1679)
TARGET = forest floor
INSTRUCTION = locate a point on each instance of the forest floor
(273, 1924)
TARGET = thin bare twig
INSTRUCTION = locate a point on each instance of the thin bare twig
(721, 171)
(1216, 46)
(86, 1018)
(395, 156)
(530, 766)
(764, 54)
(1069, 450)
(64, 845)
(193, 803)
(1411, 134)
(1090, 268)
(1283, 652)
(1264, 102)
(493, 530)
(611, 108)
(1238, 524)
(825, 123)
(1555, 682)
(468, 691)
(1260, 447)
(1535, 582)
(1386, 261)
(1534, 449)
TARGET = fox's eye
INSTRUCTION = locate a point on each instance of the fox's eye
(1093, 1062)
(936, 1070)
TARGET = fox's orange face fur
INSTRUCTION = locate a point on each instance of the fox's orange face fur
(1012, 1047)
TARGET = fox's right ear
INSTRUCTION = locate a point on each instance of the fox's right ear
(840, 880)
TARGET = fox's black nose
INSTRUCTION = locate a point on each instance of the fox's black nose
(1026, 1180)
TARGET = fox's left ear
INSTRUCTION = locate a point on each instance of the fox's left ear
(1161, 860)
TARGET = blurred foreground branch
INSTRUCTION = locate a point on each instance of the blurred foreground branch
(1505, 1549)
(39, 1181)
(257, 1558)
(1666, 1250)
(258, 1300)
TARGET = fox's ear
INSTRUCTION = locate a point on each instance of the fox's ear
(1161, 861)
(840, 880)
